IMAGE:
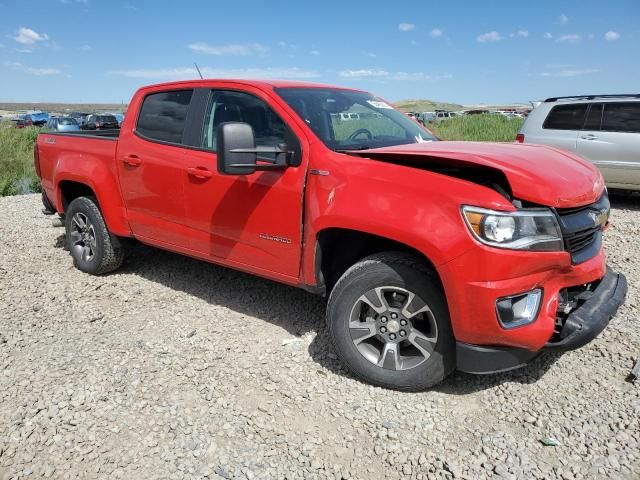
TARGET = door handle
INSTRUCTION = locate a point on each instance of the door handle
(199, 172)
(132, 160)
(589, 136)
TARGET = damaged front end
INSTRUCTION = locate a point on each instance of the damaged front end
(585, 311)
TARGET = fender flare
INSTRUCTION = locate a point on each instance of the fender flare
(106, 189)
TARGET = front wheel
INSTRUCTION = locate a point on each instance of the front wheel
(93, 248)
(389, 323)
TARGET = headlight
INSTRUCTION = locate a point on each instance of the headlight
(533, 229)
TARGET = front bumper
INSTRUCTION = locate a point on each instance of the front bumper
(587, 321)
(475, 280)
(577, 329)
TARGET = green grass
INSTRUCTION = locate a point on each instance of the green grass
(423, 105)
(17, 173)
(479, 128)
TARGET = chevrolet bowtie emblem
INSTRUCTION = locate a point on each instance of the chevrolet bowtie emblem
(599, 218)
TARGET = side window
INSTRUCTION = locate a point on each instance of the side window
(230, 106)
(594, 117)
(621, 117)
(566, 117)
(163, 115)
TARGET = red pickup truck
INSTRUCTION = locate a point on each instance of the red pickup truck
(434, 255)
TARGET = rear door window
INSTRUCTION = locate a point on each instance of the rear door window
(594, 117)
(566, 117)
(621, 117)
(163, 116)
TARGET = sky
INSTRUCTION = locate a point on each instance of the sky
(469, 52)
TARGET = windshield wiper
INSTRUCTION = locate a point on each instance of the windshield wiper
(361, 147)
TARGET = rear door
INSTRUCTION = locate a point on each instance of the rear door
(562, 126)
(611, 140)
(151, 166)
(254, 221)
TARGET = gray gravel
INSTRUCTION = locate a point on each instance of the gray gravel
(173, 368)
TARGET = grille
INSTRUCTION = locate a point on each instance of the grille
(579, 240)
(582, 228)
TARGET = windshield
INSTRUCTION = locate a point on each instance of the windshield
(348, 120)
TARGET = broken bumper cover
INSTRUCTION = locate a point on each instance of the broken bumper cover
(587, 321)
(580, 327)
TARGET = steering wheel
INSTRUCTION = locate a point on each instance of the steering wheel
(359, 132)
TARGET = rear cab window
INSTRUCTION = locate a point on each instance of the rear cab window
(566, 117)
(163, 116)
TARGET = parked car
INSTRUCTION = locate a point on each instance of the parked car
(604, 129)
(101, 122)
(426, 117)
(62, 124)
(443, 115)
(39, 118)
(21, 121)
(119, 117)
(79, 117)
(433, 255)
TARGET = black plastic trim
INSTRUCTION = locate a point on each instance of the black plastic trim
(587, 321)
(592, 97)
(579, 222)
(482, 359)
(192, 133)
(588, 252)
(48, 206)
(111, 135)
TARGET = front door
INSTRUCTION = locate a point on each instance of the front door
(248, 221)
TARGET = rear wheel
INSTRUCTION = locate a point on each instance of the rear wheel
(93, 248)
(389, 323)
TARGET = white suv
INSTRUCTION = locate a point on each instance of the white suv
(604, 129)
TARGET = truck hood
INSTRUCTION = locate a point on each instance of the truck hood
(536, 173)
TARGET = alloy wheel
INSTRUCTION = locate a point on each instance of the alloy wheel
(83, 237)
(393, 328)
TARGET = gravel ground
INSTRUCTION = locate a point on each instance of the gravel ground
(173, 368)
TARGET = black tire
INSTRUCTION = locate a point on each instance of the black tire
(389, 272)
(106, 250)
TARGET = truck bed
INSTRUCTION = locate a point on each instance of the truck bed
(84, 154)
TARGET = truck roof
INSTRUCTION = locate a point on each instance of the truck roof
(270, 84)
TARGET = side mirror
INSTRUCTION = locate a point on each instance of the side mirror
(238, 155)
(235, 143)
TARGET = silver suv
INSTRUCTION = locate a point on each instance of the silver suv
(604, 129)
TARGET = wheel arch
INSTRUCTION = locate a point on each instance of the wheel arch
(68, 188)
(332, 258)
